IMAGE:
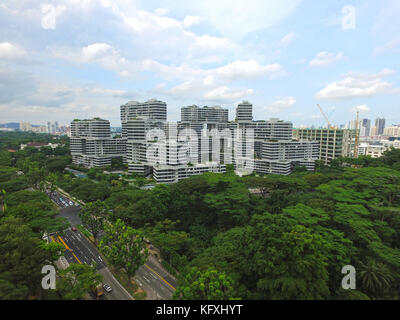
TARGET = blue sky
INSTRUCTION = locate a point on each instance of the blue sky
(67, 59)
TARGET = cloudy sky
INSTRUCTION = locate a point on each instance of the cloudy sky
(67, 59)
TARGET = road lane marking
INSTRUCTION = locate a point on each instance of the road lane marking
(160, 277)
(64, 243)
(68, 248)
(76, 257)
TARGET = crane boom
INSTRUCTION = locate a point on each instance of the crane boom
(357, 137)
(325, 116)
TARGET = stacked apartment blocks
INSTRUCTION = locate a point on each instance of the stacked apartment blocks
(203, 141)
(91, 144)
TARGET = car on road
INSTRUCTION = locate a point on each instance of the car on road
(107, 287)
(73, 229)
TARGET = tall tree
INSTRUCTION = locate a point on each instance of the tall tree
(3, 200)
(22, 255)
(93, 215)
(52, 182)
(376, 278)
(208, 285)
(123, 246)
(78, 280)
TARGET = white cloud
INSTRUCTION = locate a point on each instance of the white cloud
(391, 45)
(191, 20)
(287, 39)
(110, 58)
(281, 104)
(235, 19)
(250, 69)
(24, 96)
(226, 94)
(324, 59)
(161, 11)
(50, 14)
(362, 108)
(206, 42)
(356, 85)
(96, 50)
(207, 90)
(9, 51)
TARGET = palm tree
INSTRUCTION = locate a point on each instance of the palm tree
(375, 277)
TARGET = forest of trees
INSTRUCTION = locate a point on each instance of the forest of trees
(231, 237)
(26, 213)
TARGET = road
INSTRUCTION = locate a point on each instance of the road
(79, 250)
(151, 277)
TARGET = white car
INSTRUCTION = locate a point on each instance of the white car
(107, 288)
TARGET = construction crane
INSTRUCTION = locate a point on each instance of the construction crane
(325, 116)
(357, 138)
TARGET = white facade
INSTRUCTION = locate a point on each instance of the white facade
(244, 112)
(172, 174)
(206, 114)
(91, 144)
(393, 131)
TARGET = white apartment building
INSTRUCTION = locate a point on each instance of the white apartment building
(244, 112)
(153, 110)
(204, 141)
(376, 149)
(393, 131)
(173, 174)
(213, 114)
(91, 144)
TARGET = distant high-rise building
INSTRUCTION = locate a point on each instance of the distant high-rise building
(380, 125)
(365, 129)
(152, 109)
(212, 114)
(137, 119)
(244, 112)
(25, 126)
(203, 141)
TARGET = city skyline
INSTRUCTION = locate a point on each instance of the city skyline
(55, 64)
(220, 112)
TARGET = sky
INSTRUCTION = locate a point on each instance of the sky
(67, 59)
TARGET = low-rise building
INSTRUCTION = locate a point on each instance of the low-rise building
(172, 174)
